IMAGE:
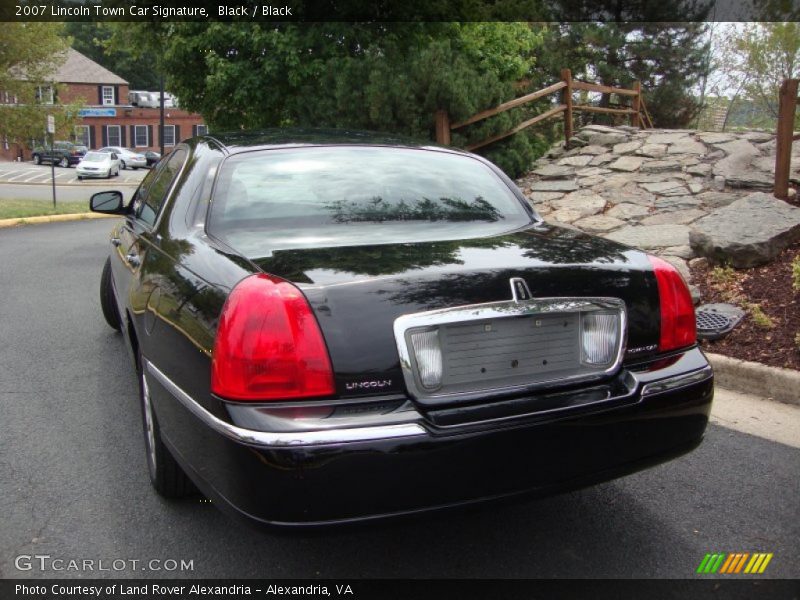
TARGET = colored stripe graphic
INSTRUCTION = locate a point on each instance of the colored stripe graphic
(733, 563)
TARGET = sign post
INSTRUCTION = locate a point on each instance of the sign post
(51, 130)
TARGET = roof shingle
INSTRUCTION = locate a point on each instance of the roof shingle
(78, 68)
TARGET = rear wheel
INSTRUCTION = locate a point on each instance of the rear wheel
(166, 474)
(63, 162)
(107, 301)
(123, 165)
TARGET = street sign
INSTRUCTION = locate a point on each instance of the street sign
(51, 124)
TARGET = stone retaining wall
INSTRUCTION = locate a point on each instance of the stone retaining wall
(681, 194)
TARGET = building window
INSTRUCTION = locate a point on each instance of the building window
(108, 95)
(169, 135)
(82, 135)
(44, 94)
(140, 136)
(114, 136)
(202, 129)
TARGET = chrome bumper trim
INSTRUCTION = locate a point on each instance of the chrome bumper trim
(678, 381)
(283, 439)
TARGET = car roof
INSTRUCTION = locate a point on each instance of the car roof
(243, 141)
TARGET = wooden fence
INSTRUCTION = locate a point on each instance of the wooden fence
(638, 113)
(785, 136)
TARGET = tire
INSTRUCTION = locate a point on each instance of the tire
(116, 173)
(107, 301)
(123, 165)
(80, 177)
(166, 475)
(63, 163)
(108, 175)
(37, 160)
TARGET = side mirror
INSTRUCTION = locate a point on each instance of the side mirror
(109, 203)
(114, 156)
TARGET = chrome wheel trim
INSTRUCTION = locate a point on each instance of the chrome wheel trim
(149, 427)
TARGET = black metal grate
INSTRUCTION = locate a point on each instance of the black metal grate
(717, 321)
(709, 321)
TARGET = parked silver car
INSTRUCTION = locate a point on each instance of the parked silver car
(128, 158)
(98, 164)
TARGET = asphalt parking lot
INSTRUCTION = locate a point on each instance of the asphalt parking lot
(20, 173)
(74, 483)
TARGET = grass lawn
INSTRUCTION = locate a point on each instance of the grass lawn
(16, 209)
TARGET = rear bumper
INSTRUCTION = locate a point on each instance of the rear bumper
(434, 461)
(83, 173)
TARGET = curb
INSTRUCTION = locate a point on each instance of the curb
(773, 383)
(4, 223)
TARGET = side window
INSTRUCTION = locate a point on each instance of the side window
(151, 195)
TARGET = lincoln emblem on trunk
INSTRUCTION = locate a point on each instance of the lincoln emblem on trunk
(519, 289)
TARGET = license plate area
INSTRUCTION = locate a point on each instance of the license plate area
(502, 348)
(508, 351)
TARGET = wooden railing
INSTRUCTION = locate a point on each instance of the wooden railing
(638, 113)
(785, 136)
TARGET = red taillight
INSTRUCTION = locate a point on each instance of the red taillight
(678, 327)
(269, 345)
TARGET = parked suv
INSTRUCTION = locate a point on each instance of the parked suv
(64, 154)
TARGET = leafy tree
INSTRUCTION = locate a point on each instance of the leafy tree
(377, 75)
(766, 54)
(667, 58)
(29, 54)
(92, 39)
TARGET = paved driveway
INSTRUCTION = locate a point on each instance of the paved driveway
(29, 173)
(73, 478)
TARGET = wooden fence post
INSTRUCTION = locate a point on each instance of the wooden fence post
(566, 94)
(637, 104)
(783, 142)
(442, 127)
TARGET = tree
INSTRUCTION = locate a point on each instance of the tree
(767, 54)
(29, 54)
(620, 41)
(92, 40)
(377, 75)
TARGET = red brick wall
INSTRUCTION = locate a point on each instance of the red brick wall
(89, 93)
(126, 117)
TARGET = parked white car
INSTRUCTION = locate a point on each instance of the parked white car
(127, 157)
(98, 164)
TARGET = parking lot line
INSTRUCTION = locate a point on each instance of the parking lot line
(25, 173)
(37, 176)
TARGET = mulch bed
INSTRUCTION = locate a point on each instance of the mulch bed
(770, 287)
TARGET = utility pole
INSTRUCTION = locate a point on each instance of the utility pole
(51, 131)
(161, 116)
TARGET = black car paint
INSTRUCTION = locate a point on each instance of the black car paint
(171, 282)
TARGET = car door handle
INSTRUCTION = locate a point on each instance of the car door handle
(133, 260)
(116, 241)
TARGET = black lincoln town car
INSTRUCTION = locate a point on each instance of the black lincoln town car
(335, 326)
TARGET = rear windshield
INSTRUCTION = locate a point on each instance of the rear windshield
(349, 195)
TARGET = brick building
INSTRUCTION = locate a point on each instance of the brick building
(107, 118)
